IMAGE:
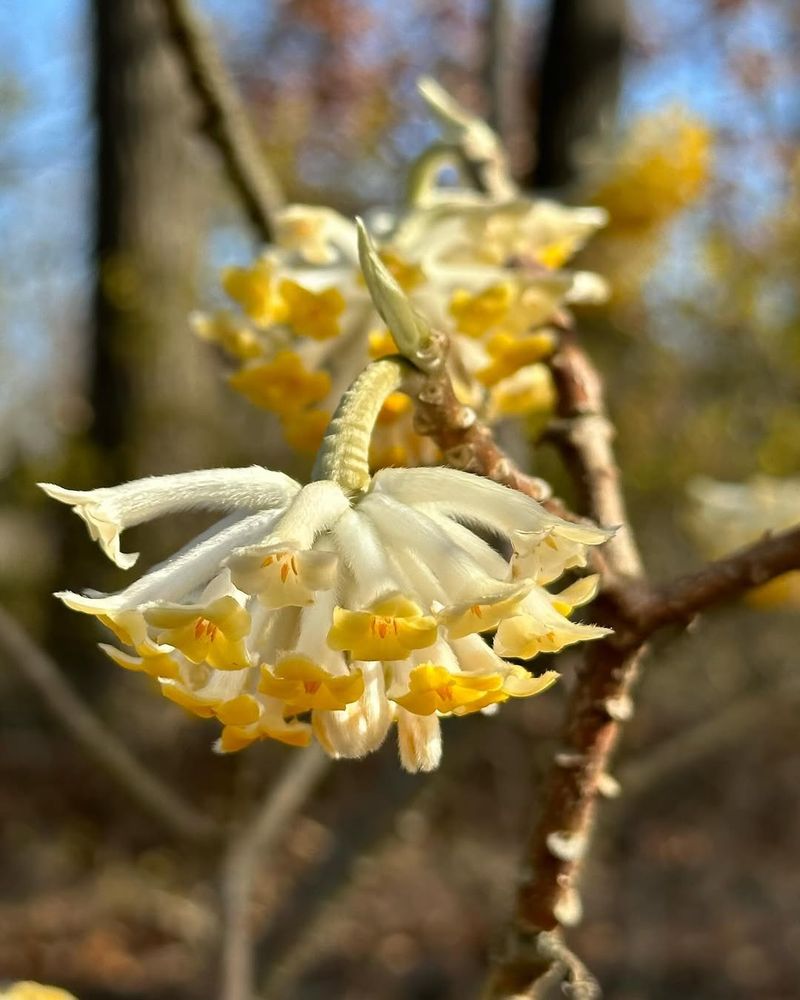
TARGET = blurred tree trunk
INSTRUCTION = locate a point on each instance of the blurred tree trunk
(153, 388)
(155, 392)
(576, 84)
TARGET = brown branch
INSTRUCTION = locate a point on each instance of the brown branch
(547, 898)
(583, 435)
(226, 118)
(97, 740)
(466, 443)
(240, 867)
(677, 603)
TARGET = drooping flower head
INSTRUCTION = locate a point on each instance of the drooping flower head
(333, 610)
(487, 270)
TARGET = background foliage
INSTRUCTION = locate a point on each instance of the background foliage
(695, 154)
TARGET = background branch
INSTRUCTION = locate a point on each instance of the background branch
(723, 580)
(724, 730)
(226, 118)
(97, 740)
(240, 866)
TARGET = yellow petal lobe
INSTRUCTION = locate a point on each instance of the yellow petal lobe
(313, 314)
(283, 385)
(303, 685)
(389, 630)
(433, 688)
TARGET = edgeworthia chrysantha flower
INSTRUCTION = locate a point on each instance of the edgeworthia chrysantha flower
(485, 269)
(336, 609)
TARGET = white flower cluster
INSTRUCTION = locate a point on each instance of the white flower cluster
(308, 612)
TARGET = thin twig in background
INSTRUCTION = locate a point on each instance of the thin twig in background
(726, 729)
(226, 117)
(246, 849)
(297, 926)
(677, 602)
(100, 742)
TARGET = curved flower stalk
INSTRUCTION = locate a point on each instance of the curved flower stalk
(487, 271)
(333, 610)
(726, 516)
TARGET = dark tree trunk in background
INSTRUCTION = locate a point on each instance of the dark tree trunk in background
(577, 83)
(154, 390)
(146, 378)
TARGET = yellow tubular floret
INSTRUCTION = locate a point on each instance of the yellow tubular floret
(283, 385)
(252, 288)
(313, 314)
(476, 314)
(433, 688)
(389, 630)
(212, 634)
(303, 685)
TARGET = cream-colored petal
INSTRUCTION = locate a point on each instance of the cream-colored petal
(462, 578)
(186, 571)
(108, 511)
(361, 727)
(282, 576)
(419, 738)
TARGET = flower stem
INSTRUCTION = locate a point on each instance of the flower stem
(423, 176)
(344, 453)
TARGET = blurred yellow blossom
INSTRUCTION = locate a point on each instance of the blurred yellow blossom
(486, 271)
(663, 165)
(34, 991)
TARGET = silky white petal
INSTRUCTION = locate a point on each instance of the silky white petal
(461, 576)
(223, 685)
(418, 578)
(319, 235)
(315, 509)
(472, 499)
(481, 551)
(419, 738)
(476, 656)
(315, 623)
(588, 288)
(361, 726)
(108, 511)
(192, 567)
(362, 550)
(272, 632)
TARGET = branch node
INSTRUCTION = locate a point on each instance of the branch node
(608, 786)
(620, 708)
(566, 845)
(568, 908)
